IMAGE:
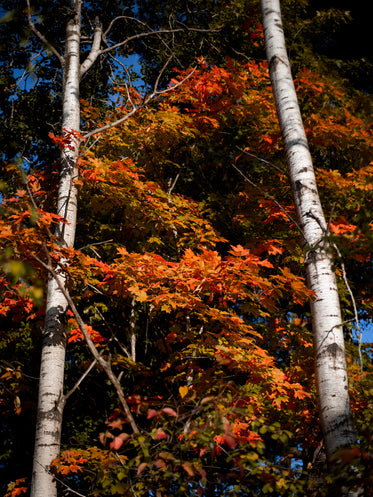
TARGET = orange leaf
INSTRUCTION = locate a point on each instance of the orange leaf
(188, 468)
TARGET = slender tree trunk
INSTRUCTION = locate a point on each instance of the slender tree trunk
(51, 400)
(330, 362)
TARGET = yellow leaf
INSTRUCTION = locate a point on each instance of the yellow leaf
(183, 391)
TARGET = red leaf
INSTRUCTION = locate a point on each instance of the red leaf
(141, 467)
(116, 444)
(170, 411)
(161, 435)
(152, 413)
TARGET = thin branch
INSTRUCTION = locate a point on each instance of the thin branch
(154, 94)
(91, 346)
(268, 196)
(41, 36)
(179, 83)
(95, 244)
(6, 367)
(113, 337)
(260, 159)
(353, 301)
(113, 124)
(20, 79)
(133, 330)
(47, 470)
(84, 375)
(127, 85)
(172, 184)
(78, 383)
(150, 33)
(156, 84)
(85, 149)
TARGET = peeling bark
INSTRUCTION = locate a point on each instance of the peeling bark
(51, 399)
(330, 363)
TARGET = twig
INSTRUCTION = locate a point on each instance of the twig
(132, 325)
(268, 196)
(87, 149)
(113, 337)
(96, 243)
(172, 184)
(47, 470)
(41, 36)
(260, 159)
(154, 94)
(151, 32)
(77, 384)
(18, 371)
(353, 301)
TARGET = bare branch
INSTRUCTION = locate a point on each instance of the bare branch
(20, 79)
(91, 346)
(154, 94)
(353, 301)
(41, 36)
(133, 330)
(95, 244)
(172, 184)
(113, 337)
(115, 123)
(122, 17)
(47, 470)
(78, 383)
(95, 50)
(268, 196)
(260, 159)
(127, 85)
(151, 33)
(156, 84)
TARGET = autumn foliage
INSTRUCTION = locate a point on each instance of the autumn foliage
(188, 274)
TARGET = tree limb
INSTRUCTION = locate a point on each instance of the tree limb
(268, 196)
(95, 49)
(104, 364)
(154, 93)
(151, 33)
(41, 36)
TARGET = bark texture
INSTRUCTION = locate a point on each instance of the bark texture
(51, 399)
(330, 363)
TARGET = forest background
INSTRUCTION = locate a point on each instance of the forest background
(188, 267)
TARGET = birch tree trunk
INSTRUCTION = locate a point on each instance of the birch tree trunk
(51, 400)
(330, 362)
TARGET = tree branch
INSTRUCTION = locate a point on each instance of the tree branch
(268, 196)
(260, 159)
(41, 36)
(154, 94)
(353, 301)
(95, 49)
(47, 470)
(91, 346)
(154, 32)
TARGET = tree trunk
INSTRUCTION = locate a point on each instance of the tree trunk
(51, 400)
(330, 362)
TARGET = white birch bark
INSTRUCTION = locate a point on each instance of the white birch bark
(330, 363)
(51, 400)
